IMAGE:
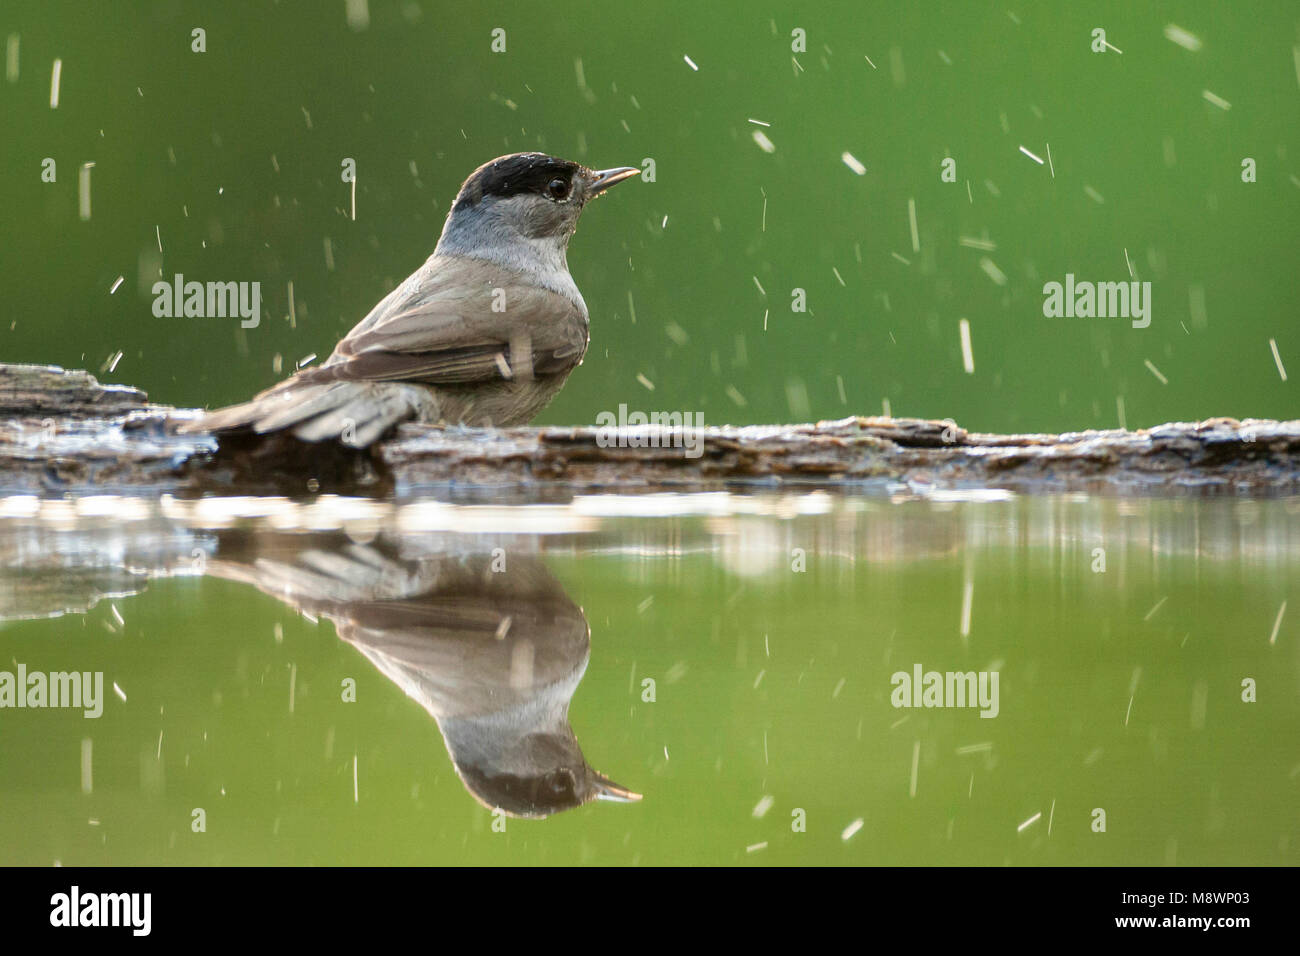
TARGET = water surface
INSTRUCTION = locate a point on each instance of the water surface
(729, 659)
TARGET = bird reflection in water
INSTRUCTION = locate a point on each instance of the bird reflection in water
(488, 643)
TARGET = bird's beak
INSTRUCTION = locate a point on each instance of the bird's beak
(607, 789)
(602, 179)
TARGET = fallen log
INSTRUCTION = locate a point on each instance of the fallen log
(63, 433)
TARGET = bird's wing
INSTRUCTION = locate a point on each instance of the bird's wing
(460, 321)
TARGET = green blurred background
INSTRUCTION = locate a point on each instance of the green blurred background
(232, 157)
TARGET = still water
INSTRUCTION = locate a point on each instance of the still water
(347, 681)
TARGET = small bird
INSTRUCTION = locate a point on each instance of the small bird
(484, 333)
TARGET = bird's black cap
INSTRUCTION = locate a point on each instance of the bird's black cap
(513, 174)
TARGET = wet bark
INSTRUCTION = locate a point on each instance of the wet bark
(61, 432)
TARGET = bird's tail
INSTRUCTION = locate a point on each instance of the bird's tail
(355, 413)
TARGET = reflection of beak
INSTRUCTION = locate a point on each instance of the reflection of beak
(604, 178)
(607, 789)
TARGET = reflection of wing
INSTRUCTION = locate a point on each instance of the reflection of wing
(457, 636)
(473, 654)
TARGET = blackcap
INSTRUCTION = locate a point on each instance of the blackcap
(484, 333)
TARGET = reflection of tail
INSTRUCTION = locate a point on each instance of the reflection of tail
(319, 574)
(356, 413)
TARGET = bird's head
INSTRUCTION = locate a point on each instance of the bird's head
(540, 774)
(526, 195)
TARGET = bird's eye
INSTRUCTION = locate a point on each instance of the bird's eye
(561, 783)
(558, 188)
